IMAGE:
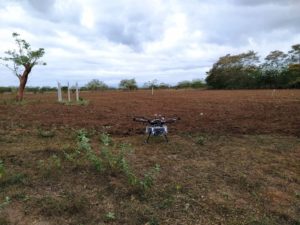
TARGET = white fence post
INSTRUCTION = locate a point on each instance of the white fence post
(77, 92)
(69, 94)
(59, 92)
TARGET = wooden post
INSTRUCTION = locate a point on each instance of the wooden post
(152, 90)
(77, 92)
(69, 94)
(59, 95)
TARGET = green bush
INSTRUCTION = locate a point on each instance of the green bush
(112, 160)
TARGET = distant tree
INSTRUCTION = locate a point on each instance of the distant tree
(163, 86)
(197, 83)
(278, 70)
(96, 85)
(295, 54)
(47, 88)
(234, 71)
(151, 84)
(184, 84)
(128, 84)
(23, 57)
(273, 69)
(293, 74)
(294, 67)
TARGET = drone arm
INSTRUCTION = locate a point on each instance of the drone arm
(172, 120)
(141, 119)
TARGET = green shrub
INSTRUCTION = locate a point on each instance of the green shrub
(112, 159)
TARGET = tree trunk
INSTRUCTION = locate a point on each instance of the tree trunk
(23, 80)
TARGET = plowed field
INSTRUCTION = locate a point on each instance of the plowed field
(230, 112)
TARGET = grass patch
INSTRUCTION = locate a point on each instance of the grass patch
(81, 102)
(99, 179)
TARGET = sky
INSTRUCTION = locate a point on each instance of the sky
(167, 40)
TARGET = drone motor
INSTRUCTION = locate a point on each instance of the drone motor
(156, 126)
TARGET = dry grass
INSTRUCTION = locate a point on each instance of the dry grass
(236, 179)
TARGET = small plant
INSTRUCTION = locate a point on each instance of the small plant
(52, 165)
(81, 102)
(148, 180)
(5, 203)
(112, 159)
(46, 133)
(200, 140)
(110, 216)
(85, 147)
(105, 139)
(2, 169)
(55, 161)
(153, 221)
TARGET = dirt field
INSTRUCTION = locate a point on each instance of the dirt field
(232, 159)
(227, 112)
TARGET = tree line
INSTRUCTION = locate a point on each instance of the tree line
(131, 84)
(125, 84)
(245, 70)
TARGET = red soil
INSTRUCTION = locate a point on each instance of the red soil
(232, 112)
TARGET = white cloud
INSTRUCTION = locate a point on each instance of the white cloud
(168, 40)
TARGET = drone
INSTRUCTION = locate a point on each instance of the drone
(156, 126)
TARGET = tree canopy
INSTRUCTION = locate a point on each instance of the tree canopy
(278, 70)
(128, 84)
(21, 61)
(96, 84)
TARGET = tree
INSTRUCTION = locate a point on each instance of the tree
(164, 86)
(184, 84)
(25, 58)
(234, 71)
(128, 84)
(273, 70)
(278, 70)
(197, 83)
(276, 60)
(96, 85)
(151, 84)
(295, 54)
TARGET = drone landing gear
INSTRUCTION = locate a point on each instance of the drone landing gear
(149, 135)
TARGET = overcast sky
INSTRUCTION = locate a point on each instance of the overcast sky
(167, 40)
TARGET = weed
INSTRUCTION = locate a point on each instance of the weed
(200, 140)
(166, 203)
(5, 203)
(153, 221)
(110, 216)
(50, 166)
(21, 196)
(46, 133)
(148, 180)
(81, 102)
(105, 139)
(12, 180)
(113, 162)
(55, 161)
(2, 169)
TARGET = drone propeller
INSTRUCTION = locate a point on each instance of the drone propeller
(141, 119)
(172, 120)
